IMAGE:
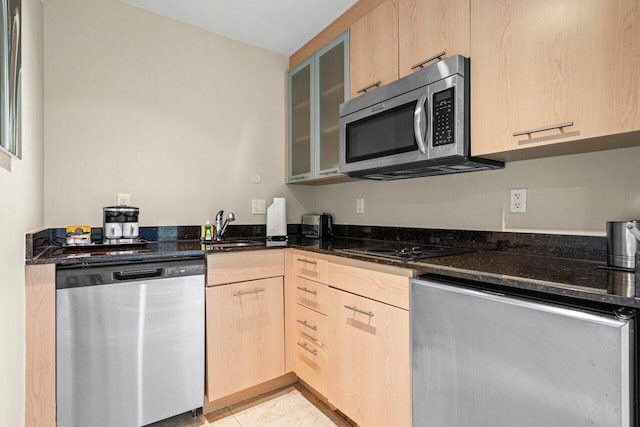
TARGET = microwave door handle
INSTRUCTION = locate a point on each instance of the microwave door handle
(420, 123)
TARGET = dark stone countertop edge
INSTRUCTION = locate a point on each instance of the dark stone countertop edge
(422, 267)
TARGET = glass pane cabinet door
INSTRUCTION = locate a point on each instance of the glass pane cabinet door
(317, 87)
(300, 121)
(332, 91)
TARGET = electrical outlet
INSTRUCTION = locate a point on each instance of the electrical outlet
(258, 207)
(123, 199)
(518, 200)
(359, 206)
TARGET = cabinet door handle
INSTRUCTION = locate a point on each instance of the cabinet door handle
(310, 350)
(255, 291)
(305, 323)
(309, 291)
(329, 172)
(426, 61)
(354, 308)
(371, 86)
(529, 132)
(310, 338)
(306, 261)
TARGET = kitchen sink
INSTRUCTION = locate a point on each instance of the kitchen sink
(236, 244)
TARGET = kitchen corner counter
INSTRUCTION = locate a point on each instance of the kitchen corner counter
(586, 280)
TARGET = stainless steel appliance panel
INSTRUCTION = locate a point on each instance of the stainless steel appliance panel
(481, 359)
(131, 353)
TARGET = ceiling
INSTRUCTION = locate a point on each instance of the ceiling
(280, 26)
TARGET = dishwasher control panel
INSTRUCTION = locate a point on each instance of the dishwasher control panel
(106, 274)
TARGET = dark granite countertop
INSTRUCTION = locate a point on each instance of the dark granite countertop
(572, 278)
(503, 266)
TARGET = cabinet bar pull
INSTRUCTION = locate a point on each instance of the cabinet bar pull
(307, 261)
(529, 132)
(308, 291)
(310, 338)
(366, 88)
(329, 172)
(255, 291)
(305, 323)
(422, 64)
(368, 313)
(314, 352)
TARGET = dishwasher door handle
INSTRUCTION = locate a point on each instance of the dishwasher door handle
(137, 274)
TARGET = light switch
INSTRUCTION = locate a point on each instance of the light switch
(258, 206)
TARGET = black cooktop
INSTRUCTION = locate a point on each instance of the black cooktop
(407, 252)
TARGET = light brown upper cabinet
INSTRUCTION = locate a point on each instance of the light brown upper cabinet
(548, 63)
(373, 47)
(429, 28)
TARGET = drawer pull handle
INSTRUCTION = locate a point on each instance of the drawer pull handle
(255, 291)
(310, 338)
(306, 261)
(529, 132)
(354, 308)
(310, 350)
(371, 86)
(426, 61)
(309, 291)
(305, 323)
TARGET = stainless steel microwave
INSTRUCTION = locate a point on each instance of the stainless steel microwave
(416, 126)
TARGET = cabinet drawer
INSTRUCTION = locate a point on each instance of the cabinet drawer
(310, 267)
(311, 294)
(311, 325)
(244, 265)
(380, 286)
(311, 350)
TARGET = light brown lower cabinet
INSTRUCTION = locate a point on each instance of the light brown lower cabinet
(369, 370)
(245, 335)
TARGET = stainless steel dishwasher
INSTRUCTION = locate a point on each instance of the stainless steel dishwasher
(480, 358)
(129, 342)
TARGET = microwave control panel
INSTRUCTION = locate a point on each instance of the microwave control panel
(443, 117)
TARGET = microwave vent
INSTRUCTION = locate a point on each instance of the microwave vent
(428, 168)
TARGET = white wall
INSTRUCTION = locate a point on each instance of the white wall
(570, 194)
(21, 209)
(178, 117)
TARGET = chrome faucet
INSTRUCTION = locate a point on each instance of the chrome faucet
(220, 227)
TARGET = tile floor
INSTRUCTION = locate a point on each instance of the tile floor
(289, 406)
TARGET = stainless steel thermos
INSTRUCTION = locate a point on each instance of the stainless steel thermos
(623, 241)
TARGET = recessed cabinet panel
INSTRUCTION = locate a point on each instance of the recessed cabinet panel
(317, 87)
(374, 49)
(430, 27)
(245, 335)
(369, 369)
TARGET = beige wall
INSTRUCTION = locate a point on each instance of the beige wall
(570, 194)
(178, 117)
(21, 209)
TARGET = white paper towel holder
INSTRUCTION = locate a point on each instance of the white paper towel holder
(277, 220)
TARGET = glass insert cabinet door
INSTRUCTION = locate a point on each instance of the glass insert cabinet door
(317, 87)
(300, 121)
